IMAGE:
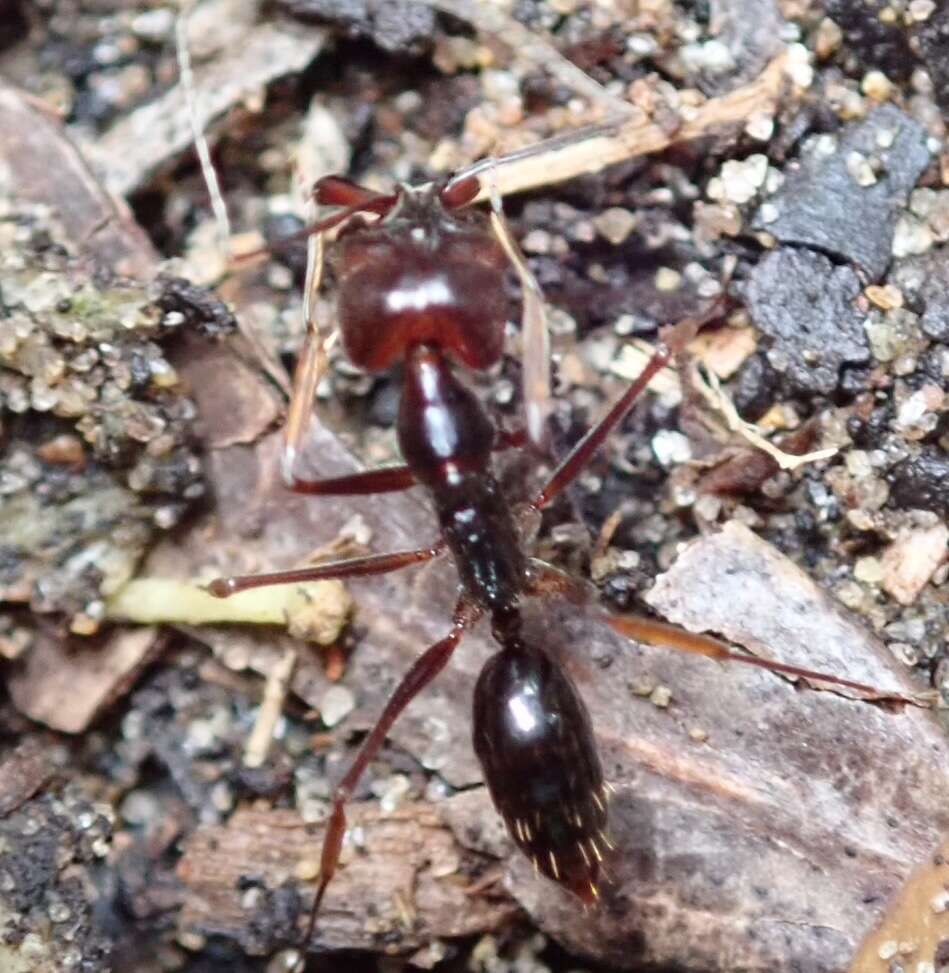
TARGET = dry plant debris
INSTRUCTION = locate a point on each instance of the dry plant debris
(314, 612)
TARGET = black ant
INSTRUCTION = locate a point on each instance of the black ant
(421, 282)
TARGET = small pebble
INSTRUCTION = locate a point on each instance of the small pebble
(337, 703)
(940, 902)
(886, 297)
(661, 697)
(876, 85)
(667, 279)
(921, 10)
(614, 224)
(888, 950)
(858, 165)
(760, 126)
(911, 236)
(671, 447)
(868, 570)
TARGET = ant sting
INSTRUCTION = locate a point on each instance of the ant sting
(420, 283)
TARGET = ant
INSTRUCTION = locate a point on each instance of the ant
(421, 282)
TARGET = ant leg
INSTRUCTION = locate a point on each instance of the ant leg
(423, 671)
(673, 341)
(354, 567)
(387, 479)
(535, 337)
(546, 579)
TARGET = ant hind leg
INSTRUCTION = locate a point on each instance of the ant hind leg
(546, 580)
(423, 671)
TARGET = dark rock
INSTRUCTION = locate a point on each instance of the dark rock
(201, 308)
(751, 30)
(399, 26)
(875, 42)
(756, 387)
(932, 39)
(822, 205)
(855, 379)
(924, 282)
(922, 482)
(804, 304)
(868, 433)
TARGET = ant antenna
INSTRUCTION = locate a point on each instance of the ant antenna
(186, 76)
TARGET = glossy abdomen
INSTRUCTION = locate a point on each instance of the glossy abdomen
(532, 735)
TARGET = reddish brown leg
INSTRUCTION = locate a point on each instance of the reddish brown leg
(388, 479)
(423, 671)
(547, 579)
(356, 567)
(385, 480)
(674, 340)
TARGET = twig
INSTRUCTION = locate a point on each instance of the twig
(271, 706)
(592, 149)
(186, 76)
(715, 395)
(531, 46)
(315, 611)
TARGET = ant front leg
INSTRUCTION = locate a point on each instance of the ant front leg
(673, 341)
(423, 671)
(356, 567)
(311, 367)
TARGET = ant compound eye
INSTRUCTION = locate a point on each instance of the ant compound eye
(460, 192)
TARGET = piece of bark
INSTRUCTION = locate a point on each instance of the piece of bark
(65, 683)
(407, 883)
(41, 165)
(24, 772)
(153, 136)
(235, 405)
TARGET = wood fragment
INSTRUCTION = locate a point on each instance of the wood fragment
(406, 857)
(716, 396)
(65, 683)
(315, 611)
(592, 150)
(271, 707)
(151, 137)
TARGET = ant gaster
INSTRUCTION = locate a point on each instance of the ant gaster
(422, 284)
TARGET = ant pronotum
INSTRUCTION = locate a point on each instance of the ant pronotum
(421, 282)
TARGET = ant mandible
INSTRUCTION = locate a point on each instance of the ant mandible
(421, 281)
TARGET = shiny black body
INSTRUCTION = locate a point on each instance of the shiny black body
(532, 733)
